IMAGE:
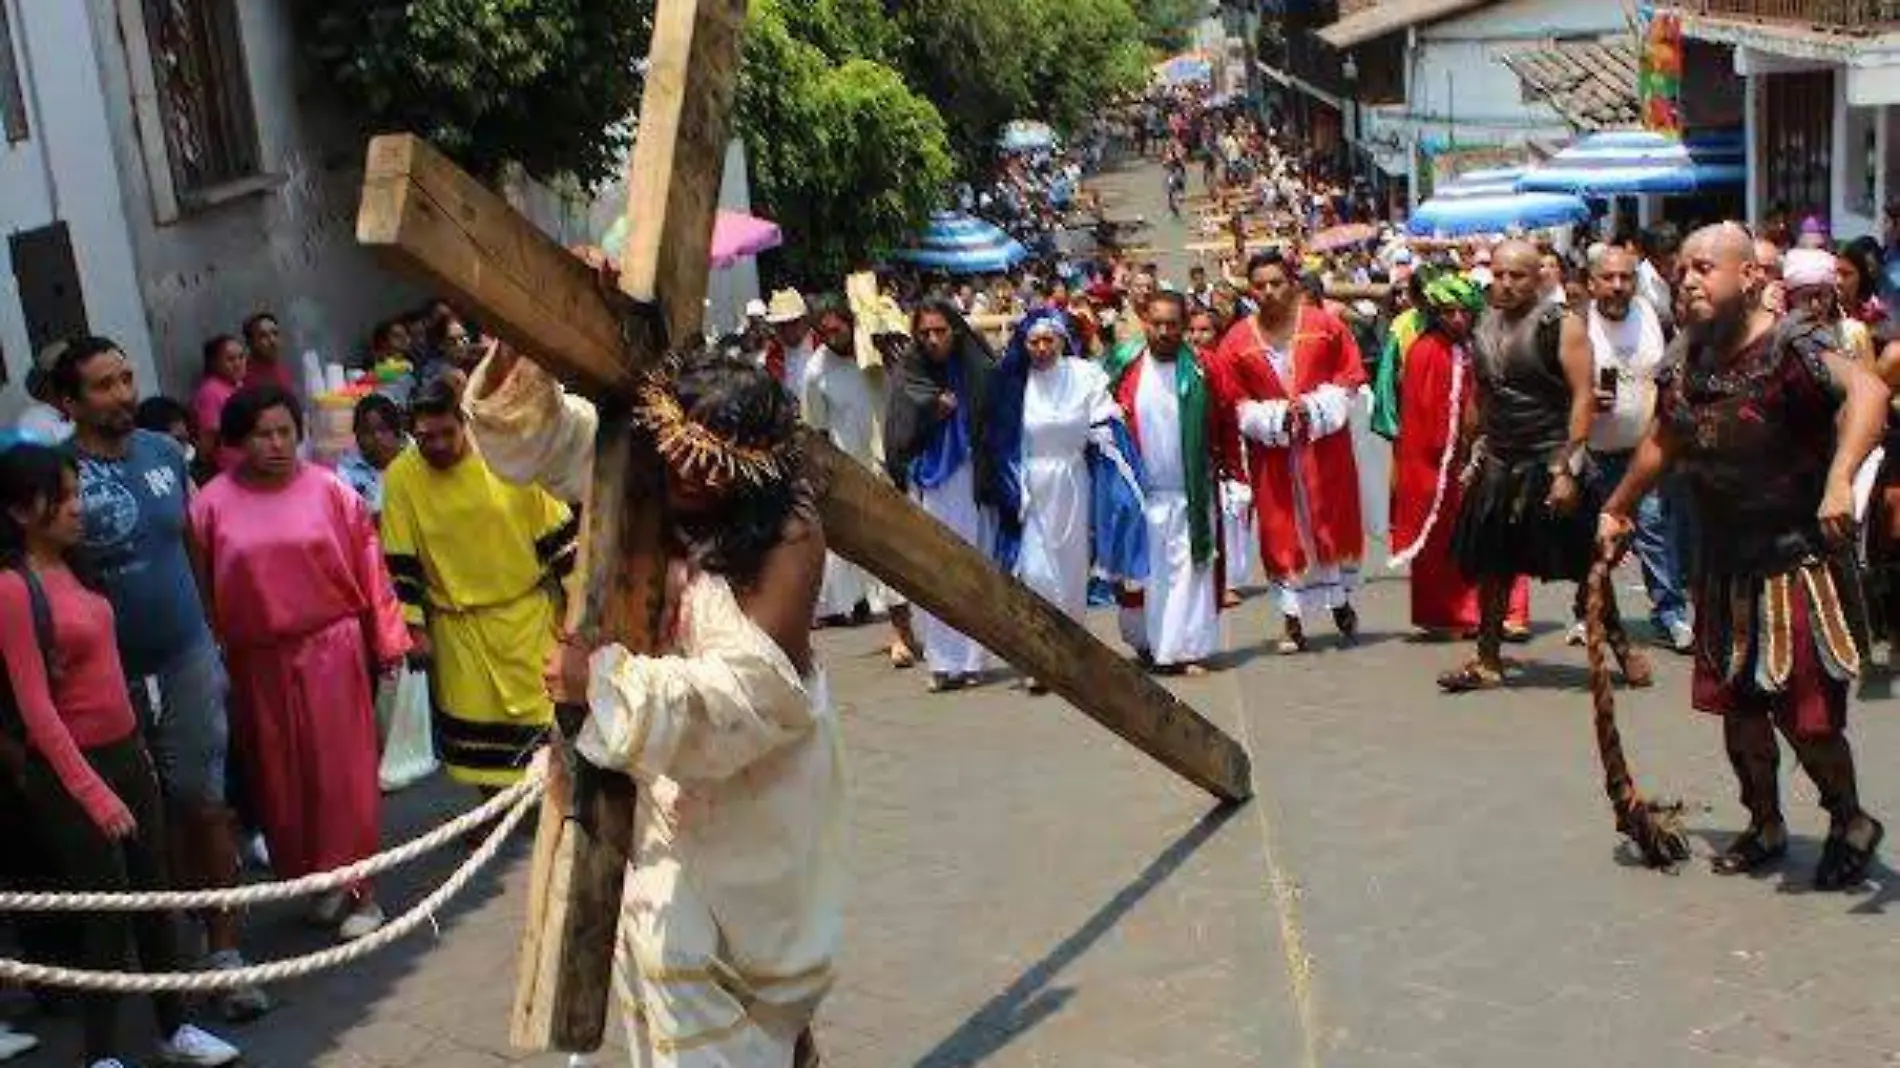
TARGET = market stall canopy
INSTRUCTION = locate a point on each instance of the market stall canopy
(963, 244)
(1188, 68)
(1026, 135)
(736, 236)
(1487, 202)
(1634, 162)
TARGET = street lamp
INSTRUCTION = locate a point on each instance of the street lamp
(1349, 70)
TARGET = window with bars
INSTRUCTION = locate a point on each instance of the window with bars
(204, 92)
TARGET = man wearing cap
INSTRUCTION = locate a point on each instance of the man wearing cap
(788, 353)
(42, 421)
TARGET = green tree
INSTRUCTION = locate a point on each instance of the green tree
(547, 84)
(974, 59)
(1169, 24)
(1090, 52)
(844, 157)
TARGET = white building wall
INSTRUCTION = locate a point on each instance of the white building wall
(289, 247)
(65, 170)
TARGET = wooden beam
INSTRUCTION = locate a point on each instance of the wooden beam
(678, 156)
(430, 220)
(869, 523)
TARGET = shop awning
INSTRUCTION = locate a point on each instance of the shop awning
(1487, 202)
(963, 244)
(1635, 162)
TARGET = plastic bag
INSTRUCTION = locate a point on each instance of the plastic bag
(402, 715)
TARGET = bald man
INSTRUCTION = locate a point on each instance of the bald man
(1524, 511)
(1768, 424)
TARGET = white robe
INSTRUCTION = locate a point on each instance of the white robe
(1060, 405)
(732, 910)
(837, 399)
(953, 504)
(1179, 621)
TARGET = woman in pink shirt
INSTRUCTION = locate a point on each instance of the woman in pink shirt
(226, 363)
(74, 745)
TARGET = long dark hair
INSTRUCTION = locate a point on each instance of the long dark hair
(29, 474)
(1864, 254)
(741, 403)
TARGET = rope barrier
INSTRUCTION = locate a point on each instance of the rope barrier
(528, 788)
(280, 971)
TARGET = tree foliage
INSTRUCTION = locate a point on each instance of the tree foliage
(844, 156)
(1169, 24)
(547, 84)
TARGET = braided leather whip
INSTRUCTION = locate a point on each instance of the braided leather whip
(1654, 826)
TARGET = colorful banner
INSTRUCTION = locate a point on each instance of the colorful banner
(1659, 81)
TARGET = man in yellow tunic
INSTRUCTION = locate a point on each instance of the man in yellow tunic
(477, 563)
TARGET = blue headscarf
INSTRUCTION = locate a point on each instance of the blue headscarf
(1006, 425)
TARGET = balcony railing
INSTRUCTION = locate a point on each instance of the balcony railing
(1838, 16)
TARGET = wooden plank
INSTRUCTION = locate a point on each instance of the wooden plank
(673, 188)
(429, 219)
(868, 522)
(673, 183)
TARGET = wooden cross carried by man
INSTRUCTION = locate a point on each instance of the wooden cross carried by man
(434, 221)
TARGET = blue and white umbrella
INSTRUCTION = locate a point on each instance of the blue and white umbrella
(1487, 202)
(1634, 162)
(962, 244)
(1026, 135)
(1188, 69)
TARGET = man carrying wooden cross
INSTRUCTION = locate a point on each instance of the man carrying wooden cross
(731, 911)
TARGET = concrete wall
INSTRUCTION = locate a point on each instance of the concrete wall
(65, 170)
(1459, 82)
(288, 247)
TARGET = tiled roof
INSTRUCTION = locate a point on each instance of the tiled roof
(1592, 84)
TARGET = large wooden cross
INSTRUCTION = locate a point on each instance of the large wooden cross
(433, 221)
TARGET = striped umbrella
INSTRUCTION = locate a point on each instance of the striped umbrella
(1487, 202)
(963, 244)
(1631, 162)
(1027, 135)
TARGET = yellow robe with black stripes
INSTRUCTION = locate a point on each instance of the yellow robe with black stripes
(477, 558)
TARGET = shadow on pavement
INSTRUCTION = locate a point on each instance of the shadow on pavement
(1032, 998)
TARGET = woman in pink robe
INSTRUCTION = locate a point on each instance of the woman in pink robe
(307, 617)
(226, 363)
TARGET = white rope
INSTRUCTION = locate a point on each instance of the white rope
(277, 971)
(529, 788)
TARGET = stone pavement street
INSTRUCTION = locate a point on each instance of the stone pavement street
(1422, 881)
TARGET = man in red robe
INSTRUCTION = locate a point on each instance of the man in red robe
(1437, 393)
(1294, 370)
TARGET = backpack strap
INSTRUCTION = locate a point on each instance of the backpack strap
(11, 724)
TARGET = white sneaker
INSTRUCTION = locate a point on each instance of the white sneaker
(259, 853)
(197, 1049)
(365, 921)
(1681, 636)
(109, 1062)
(330, 909)
(13, 1043)
(1577, 634)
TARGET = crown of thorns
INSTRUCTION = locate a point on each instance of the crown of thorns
(697, 450)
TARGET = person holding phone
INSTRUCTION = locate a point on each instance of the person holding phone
(1631, 358)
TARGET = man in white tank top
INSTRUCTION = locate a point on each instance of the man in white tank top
(1626, 336)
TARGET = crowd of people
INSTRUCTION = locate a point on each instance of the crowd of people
(197, 617)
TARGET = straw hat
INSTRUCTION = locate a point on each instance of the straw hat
(787, 307)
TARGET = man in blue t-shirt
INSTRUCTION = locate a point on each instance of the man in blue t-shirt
(134, 491)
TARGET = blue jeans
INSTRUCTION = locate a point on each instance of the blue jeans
(1662, 526)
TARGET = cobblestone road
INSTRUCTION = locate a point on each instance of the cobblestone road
(1421, 882)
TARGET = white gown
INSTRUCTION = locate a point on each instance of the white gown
(1180, 617)
(837, 400)
(1060, 404)
(953, 504)
(733, 909)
